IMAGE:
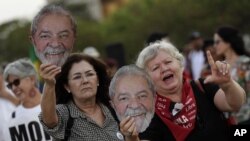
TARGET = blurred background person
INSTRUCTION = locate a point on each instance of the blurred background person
(194, 56)
(157, 36)
(111, 63)
(229, 43)
(116, 51)
(78, 94)
(91, 51)
(112, 66)
(22, 79)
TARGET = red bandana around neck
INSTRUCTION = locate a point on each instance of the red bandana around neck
(181, 120)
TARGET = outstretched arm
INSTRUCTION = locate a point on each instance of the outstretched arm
(6, 95)
(231, 95)
(48, 103)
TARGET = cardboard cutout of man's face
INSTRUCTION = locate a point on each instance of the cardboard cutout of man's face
(54, 39)
(134, 98)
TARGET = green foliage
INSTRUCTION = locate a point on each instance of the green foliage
(132, 24)
(14, 41)
(89, 33)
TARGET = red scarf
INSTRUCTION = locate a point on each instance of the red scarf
(182, 122)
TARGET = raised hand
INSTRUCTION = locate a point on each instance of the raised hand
(220, 71)
(48, 72)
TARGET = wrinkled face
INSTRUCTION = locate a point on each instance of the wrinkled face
(82, 81)
(134, 98)
(221, 47)
(54, 39)
(20, 87)
(166, 73)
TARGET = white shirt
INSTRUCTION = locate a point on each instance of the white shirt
(26, 120)
(197, 62)
(6, 109)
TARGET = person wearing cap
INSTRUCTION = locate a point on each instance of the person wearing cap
(195, 58)
(91, 51)
(53, 34)
(22, 80)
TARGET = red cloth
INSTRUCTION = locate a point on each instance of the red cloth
(182, 123)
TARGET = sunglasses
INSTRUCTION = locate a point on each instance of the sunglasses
(16, 82)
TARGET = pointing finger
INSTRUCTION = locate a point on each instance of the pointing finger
(210, 60)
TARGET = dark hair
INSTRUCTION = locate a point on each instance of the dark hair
(155, 36)
(207, 43)
(231, 35)
(62, 79)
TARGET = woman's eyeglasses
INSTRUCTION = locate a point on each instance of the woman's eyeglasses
(16, 82)
(216, 42)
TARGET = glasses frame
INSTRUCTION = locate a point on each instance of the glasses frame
(16, 82)
(216, 42)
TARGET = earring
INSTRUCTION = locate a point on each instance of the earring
(97, 84)
(68, 91)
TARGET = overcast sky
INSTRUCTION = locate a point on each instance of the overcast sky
(15, 9)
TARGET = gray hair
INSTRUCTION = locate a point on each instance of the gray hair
(50, 10)
(150, 52)
(130, 70)
(21, 68)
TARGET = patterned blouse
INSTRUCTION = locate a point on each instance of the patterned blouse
(241, 73)
(84, 128)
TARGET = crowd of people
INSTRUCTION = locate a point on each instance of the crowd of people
(165, 95)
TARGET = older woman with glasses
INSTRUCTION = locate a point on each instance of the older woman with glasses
(75, 102)
(22, 79)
